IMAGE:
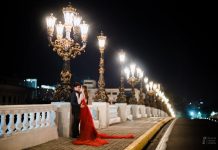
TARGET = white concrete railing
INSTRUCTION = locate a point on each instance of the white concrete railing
(95, 115)
(94, 112)
(136, 111)
(148, 111)
(122, 111)
(26, 117)
(113, 114)
(129, 112)
(142, 110)
(25, 122)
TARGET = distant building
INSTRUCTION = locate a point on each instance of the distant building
(31, 83)
(112, 93)
(14, 91)
(48, 87)
(196, 109)
(91, 84)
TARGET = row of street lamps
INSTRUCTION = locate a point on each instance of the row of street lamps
(150, 92)
(71, 40)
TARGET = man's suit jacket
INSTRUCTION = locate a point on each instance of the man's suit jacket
(74, 101)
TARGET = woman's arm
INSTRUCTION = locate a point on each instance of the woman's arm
(81, 97)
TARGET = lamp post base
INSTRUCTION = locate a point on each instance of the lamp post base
(141, 102)
(63, 93)
(63, 90)
(121, 98)
(101, 96)
(132, 100)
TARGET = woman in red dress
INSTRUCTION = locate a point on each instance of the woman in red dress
(88, 133)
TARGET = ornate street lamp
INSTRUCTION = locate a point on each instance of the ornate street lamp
(153, 89)
(101, 95)
(158, 95)
(161, 97)
(121, 98)
(146, 101)
(67, 45)
(141, 97)
(133, 80)
(150, 87)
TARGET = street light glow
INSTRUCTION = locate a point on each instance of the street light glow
(59, 30)
(212, 113)
(69, 15)
(101, 41)
(146, 80)
(132, 69)
(50, 20)
(77, 20)
(122, 56)
(127, 72)
(84, 31)
(192, 113)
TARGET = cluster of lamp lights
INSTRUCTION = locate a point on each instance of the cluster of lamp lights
(72, 24)
(74, 43)
(134, 75)
(156, 90)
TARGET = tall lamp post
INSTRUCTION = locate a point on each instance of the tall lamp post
(132, 80)
(160, 96)
(141, 97)
(121, 98)
(146, 88)
(101, 95)
(67, 45)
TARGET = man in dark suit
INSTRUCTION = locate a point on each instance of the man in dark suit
(75, 105)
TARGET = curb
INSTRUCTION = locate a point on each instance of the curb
(140, 142)
(163, 142)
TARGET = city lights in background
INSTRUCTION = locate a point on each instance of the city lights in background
(195, 115)
(47, 87)
(199, 110)
(32, 83)
(192, 113)
(213, 113)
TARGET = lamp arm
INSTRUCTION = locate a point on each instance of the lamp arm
(51, 43)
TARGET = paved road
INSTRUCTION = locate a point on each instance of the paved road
(193, 135)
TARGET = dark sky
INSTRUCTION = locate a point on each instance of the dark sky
(173, 41)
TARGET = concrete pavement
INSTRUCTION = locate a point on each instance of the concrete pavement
(137, 128)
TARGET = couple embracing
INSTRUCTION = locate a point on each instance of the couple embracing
(86, 134)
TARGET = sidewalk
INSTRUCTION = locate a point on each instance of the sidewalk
(135, 127)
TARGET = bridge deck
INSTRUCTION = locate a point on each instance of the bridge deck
(136, 127)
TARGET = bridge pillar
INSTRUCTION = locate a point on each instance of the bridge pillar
(64, 118)
(103, 108)
(122, 111)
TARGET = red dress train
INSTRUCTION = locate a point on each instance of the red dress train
(88, 133)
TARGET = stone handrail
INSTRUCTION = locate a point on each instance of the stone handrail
(113, 111)
(22, 118)
(95, 115)
(129, 112)
(113, 114)
(142, 110)
(94, 112)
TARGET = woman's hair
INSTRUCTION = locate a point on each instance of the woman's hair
(86, 92)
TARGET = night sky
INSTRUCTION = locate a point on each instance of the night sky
(173, 41)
